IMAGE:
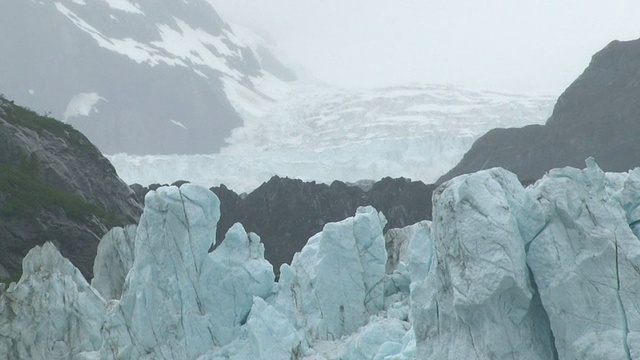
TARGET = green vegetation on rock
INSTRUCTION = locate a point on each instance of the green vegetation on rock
(54, 186)
(27, 193)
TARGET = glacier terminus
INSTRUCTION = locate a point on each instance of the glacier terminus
(549, 271)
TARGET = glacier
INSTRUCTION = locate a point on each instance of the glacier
(52, 312)
(477, 301)
(550, 271)
(113, 261)
(317, 132)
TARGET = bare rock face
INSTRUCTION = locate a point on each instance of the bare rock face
(55, 186)
(596, 116)
(286, 212)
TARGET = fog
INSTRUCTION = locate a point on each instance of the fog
(513, 45)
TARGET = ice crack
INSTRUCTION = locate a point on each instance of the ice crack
(625, 323)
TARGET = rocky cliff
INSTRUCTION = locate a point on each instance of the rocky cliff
(596, 116)
(55, 186)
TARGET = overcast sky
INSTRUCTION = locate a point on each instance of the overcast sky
(512, 45)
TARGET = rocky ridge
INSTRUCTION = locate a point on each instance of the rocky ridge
(596, 116)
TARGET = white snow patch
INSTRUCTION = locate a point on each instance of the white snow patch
(79, 2)
(81, 105)
(178, 123)
(246, 101)
(186, 46)
(31, 92)
(257, 102)
(129, 47)
(200, 73)
(124, 5)
(197, 46)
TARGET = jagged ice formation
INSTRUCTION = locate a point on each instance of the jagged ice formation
(544, 272)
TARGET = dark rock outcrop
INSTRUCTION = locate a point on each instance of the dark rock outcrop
(287, 212)
(598, 116)
(55, 186)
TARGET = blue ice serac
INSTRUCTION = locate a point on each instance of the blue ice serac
(502, 271)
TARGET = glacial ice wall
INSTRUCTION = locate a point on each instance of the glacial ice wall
(476, 301)
(544, 272)
(113, 261)
(586, 261)
(52, 312)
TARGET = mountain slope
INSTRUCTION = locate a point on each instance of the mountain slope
(596, 116)
(144, 78)
(55, 186)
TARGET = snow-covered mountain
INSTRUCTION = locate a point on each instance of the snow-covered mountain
(502, 272)
(323, 133)
(143, 77)
(148, 78)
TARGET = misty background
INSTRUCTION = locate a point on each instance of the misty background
(524, 46)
